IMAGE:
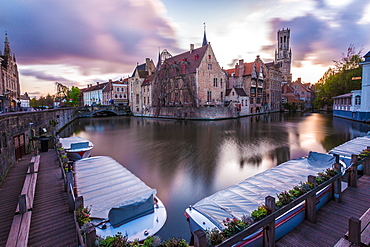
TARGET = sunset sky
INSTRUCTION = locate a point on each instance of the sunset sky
(84, 41)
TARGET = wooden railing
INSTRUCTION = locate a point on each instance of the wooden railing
(87, 236)
(267, 224)
(19, 231)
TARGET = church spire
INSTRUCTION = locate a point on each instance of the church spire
(6, 45)
(204, 37)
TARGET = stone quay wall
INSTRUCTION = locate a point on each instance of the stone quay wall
(191, 113)
(19, 132)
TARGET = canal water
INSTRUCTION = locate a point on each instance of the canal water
(186, 161)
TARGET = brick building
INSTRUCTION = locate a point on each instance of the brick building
(9, 80)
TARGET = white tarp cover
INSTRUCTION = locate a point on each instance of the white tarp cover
(112, 191)
(355, 146)
(241, 199)
(66, 142)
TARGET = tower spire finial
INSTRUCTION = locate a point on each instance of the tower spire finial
(204, 37)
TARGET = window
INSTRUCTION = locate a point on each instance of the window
(120, 96)
(252, 100)
(222, 96)
(117, 89)
(242, 102)
(209, 96)
(144, 100)
(209, 66)
(221, 82)
(358, 100)
(137, 98)
(209, 56)
(115, 96)
(214, 82)
(122, 89)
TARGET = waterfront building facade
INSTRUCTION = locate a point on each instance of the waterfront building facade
(9, 80)
(356, 104)
(238, 98)
(139, 76)
(93, 94)
(116, 92)
(298, 93)
(193, 78)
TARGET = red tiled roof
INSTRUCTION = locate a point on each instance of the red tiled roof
(193, 58)
(95, 87)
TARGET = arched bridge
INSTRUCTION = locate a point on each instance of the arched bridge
(98, 111)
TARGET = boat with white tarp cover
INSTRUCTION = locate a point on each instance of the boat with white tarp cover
(76, 147)
(354, 146)
(239, 200)
(119, 201)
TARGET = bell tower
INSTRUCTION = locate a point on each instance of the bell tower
(283, 54)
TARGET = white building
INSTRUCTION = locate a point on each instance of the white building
(238, 98)
(356, 104)
(93, 94)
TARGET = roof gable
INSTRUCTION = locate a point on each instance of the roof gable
(193, 58)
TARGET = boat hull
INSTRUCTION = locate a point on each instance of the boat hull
(78, 154)
(137, 229)
(284, 224)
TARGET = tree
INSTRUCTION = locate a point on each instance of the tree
(71, 97)
(337, 81)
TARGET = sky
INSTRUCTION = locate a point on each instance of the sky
(87, 41)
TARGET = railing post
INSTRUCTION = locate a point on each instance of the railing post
(90, 235)
(337, 185)
(354, 231)
(79, 203)
(22, 203)
(269, 230)
(200, 238)
(367, 164)
(310, 202)
(352, 176)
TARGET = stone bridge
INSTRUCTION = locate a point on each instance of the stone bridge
(98, 111)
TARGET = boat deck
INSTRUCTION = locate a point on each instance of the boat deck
(51, 223)
(332, 219)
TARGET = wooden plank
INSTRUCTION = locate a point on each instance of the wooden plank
(14, 230)
(24, 230)
(343, 243)
(365, 236)
(365, 219)
(354, 234)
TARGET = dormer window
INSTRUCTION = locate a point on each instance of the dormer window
(209, 56)
(196, 56)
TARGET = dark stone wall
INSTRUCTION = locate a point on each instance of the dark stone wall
(19, 124)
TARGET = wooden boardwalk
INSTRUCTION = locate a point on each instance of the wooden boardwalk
(332, 219)
(51, 223)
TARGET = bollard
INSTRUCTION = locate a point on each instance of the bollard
(337, 185)
(310, 202)
(200, 238)
(269, 229)
(354, 233)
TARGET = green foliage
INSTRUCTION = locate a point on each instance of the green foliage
(233, 226)
(73, 96)
(83, 215)
(174, 242)
(291, 107)
(214, 237)
(283, 199)
(365, 153)
(117, 240)
(259, 213)
(337, 81)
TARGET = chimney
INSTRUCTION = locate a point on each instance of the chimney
(241, 62)
(191, 47)
(110, 80)
(97, 83)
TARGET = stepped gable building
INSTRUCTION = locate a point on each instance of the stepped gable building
(193, 78)
(9, 80)
(139, 76)
(252, 78)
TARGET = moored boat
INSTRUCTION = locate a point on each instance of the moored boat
(240, 200)
(76, 147)
(119, 201)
